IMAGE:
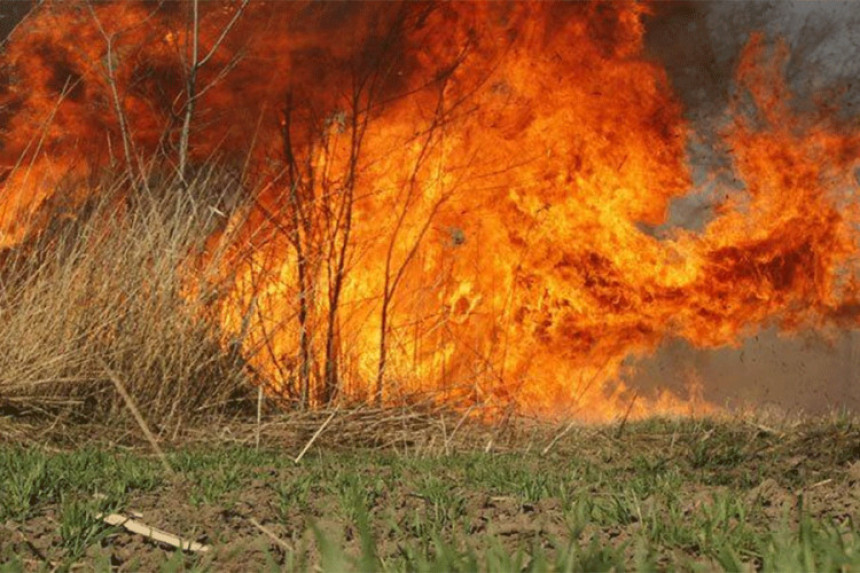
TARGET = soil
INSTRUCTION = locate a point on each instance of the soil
(250, 529)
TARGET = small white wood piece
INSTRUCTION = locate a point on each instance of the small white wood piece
(154, 533)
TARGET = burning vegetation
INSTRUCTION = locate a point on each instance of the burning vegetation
(448, 200)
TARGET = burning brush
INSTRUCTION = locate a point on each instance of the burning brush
(462, 200)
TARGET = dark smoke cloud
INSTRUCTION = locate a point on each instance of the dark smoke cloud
(700, 44)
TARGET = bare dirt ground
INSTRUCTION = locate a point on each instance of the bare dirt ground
(659, 494)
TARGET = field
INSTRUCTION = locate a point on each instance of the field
(282, 280)
(378, 491)
(117, 399)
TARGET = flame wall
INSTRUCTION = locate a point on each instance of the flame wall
(511, 204)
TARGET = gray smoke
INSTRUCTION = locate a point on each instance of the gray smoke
(700, 44)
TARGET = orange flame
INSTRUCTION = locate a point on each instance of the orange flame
(452, 196)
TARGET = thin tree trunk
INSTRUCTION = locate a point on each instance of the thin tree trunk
(117, 103)
(192, 90)
(383, 349)
(390, 284)
(304, 339)
(190, 93)
(299, 222)
(357, 129)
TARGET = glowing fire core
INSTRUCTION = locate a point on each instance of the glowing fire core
(448, 199)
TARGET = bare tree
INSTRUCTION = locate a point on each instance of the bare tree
(300, 236)
(393, 272)
(193, 64)
(193, 61)
(321, 205)
(109, 72)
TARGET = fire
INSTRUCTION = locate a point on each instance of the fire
(450, 200)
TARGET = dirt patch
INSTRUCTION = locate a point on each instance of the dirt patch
(683, 491)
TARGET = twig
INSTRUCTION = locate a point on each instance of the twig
(192, 93)
(557, 437)
(819, 484)
(259, 417)
(762, 428)
(457, 427)
(626, 416)
(153, 533)
(270, 534)
(489, 445)
(315, 436)
(224, 32)
(110, 77)
(137, 416)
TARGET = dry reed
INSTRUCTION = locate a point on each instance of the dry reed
(103, 283)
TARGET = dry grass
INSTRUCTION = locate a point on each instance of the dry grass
(100, 290)
(97, 305)
(100, 338)
(439, 430)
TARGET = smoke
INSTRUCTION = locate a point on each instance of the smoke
(811, 373)
(700, 44)
(588, 152)
(11, 13)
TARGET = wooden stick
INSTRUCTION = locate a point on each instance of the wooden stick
(314, 437)
(626, 416)
(820, 483)
(457, 427)
(259, 417)
(558, 436)
(137, 416)
(153, 533)
(270, 534)
(489, 445)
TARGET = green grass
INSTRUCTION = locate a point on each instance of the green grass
(665, 495)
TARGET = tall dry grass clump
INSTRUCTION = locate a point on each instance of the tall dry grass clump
(97, 303)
